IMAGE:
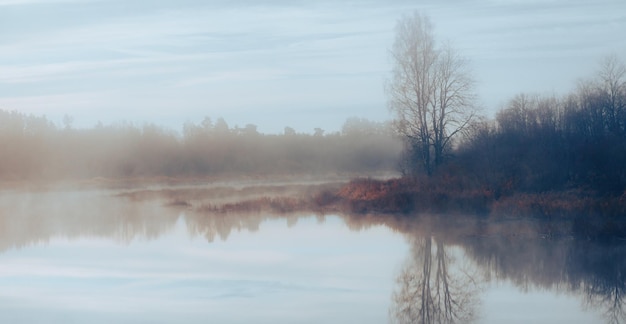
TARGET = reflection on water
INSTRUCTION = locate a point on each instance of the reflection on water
(36, 217)
(453, 265)
(599, 273)
(592, 271)
(431, 289)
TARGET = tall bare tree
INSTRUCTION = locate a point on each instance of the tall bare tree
(430, 92)
(612, 85)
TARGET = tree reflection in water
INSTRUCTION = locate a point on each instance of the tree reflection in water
(436, 284)
(608, 298)
(594, 271)
(431, 289)
(599, 271)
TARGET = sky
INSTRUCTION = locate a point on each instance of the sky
(278, 63)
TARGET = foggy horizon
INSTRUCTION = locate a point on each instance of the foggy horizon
(69, 122)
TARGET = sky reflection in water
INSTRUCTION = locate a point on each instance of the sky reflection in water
(90, 256)
(131, 272)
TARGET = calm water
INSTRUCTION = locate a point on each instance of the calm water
(124, 256)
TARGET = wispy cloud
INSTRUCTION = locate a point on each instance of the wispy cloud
(238, 46)
(30, 2)
(43, 104)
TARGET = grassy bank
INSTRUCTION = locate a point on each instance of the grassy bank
(415, 196)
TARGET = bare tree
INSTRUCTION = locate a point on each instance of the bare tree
(430, 92)
(612, 84)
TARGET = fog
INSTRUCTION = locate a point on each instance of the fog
(35, 149)
(35, 216)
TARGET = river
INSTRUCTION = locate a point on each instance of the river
(154, 254)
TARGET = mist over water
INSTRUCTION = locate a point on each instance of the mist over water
(187, 253)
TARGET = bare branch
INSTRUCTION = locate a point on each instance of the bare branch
(431, 90)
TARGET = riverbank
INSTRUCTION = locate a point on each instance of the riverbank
(412, 196)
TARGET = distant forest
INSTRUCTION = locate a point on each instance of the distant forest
(34, 148)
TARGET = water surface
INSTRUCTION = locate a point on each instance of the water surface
(164, 255)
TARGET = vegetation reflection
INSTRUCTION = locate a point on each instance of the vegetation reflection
(429, 290)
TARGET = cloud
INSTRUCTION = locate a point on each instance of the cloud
(41, 104)
(238, 46)
(47, 2)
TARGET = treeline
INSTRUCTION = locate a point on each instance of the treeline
(541, 156)
(34, 148)
(538, 144)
